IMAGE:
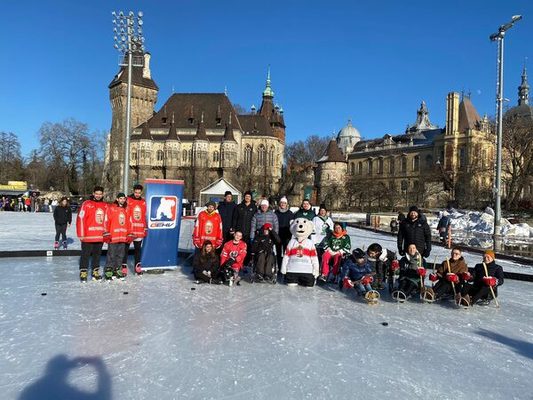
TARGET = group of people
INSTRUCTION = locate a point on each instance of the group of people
(28, 204)
(118, 224)
(235, 236)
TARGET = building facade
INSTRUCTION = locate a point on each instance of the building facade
(426, 165)
(197, 137)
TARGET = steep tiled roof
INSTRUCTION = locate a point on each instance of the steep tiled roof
(136, 78)
(201, 134)
(172, 133)
(228, 132)
(468, 116)
(256, 125)
(145, 133)
(332, 153)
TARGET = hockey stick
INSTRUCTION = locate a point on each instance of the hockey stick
(491, 288)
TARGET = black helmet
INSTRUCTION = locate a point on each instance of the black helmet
(358, 253)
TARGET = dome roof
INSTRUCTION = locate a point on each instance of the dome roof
(349, 131)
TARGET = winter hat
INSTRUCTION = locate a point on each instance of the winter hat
(264, 202)
(266, 226)
(490, 253)
(358, 253)
(414, 208)
(210, 203)
(283, 200)
(121, 195)
(228, 193)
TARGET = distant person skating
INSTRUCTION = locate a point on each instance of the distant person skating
(90, 229)
(136, 208)
(62, 220)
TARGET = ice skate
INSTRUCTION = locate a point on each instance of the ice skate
(108, 273)
(138, 269)
(56, 245)
(117, 274)
(124, 270)
(64, 244)
(96, 274)
(83, 275)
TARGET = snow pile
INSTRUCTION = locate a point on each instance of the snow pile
(483, 223)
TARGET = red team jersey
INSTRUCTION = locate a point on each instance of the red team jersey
(235, 251)
(117, 223)
(207, 227)
(90, 221)
(137, 213)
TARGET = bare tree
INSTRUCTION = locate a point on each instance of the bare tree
(10, 157)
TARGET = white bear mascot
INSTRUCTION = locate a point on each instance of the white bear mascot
(300, 262)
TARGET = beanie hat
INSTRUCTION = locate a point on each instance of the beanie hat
(358, 253)
(283, 200)
(490, 253)
(266, 226)
(414, 208)
(228, 193)
(264, 202)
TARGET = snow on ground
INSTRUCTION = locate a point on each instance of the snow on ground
(163, 340)
(35, 231)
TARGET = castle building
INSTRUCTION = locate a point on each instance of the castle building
(426, 165)
(197, 137)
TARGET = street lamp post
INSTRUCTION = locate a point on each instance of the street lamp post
(130, 44)
(499, 37)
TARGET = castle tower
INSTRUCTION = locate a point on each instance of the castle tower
(143, 99)
(330, 173)
(172, 149)
(272, 112)
(228, 147)
(523, 89)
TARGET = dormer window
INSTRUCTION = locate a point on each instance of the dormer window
(191, 121)
(164, 120)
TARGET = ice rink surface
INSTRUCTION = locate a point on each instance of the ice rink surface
(163, 340)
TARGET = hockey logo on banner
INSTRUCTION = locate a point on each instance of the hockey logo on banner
(163, 212)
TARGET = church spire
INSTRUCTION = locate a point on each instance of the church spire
(268, 92)
(523, 89)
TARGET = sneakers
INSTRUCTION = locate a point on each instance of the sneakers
(259, 278)
(138, 269)
(124, 270)
(83, 275)
(56, 245)
(96, 274)
(322, 278)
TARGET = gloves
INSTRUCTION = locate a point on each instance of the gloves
(467, 276)
(367, 280)
(421, 271)
(107, 237)
(490, 281)
(433, 277)
(347, 283)
(452, 278)
(426, 253)
(395, 265)
(130, 238)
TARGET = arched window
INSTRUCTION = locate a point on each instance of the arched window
(261, 156)
(352, 168)
(216, 157)
(369, 163)
(403, 167)
(248, 155)
(360, 167)
(429, 161)
(271, 156)
(184, 156)
(380, 165)
(416, 163)
(462, 157)
(391, 166)
(160, 155)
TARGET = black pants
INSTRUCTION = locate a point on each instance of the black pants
(61, 229)
(136, 252)
(280, 249)
(264, 263)
(91, 251)
(301, 279)
(407, 286)
(115, 254)
(443, 288)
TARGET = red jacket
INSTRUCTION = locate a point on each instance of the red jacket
(137, 213)
(235, 251)
(117, 223)
(207, 227)
(90, 221)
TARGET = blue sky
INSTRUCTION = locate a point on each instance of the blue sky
(373, 62)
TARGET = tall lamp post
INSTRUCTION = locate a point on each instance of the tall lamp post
(499, 37)
(130, 44)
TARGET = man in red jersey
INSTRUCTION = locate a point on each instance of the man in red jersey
(136, 207)
(90, 230)
(208, 227)
(117, 233)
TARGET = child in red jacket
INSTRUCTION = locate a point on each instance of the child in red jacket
(232, 258)
(117, 233)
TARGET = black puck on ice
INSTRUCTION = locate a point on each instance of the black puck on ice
(385, 323)
(193, 288)
(125, 292)
(43, 294)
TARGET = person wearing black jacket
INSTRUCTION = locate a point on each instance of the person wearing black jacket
(62, 219)
(226, 210)
(414, 229)
(205, 264)
(285, 216)
(263, 252)
(482, 280)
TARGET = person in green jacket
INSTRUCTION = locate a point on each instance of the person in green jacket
(336, 246)
(305, 211)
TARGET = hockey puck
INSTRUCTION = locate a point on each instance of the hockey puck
(43, 294)
(385, 323)
(125, 292)
(193, 288)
